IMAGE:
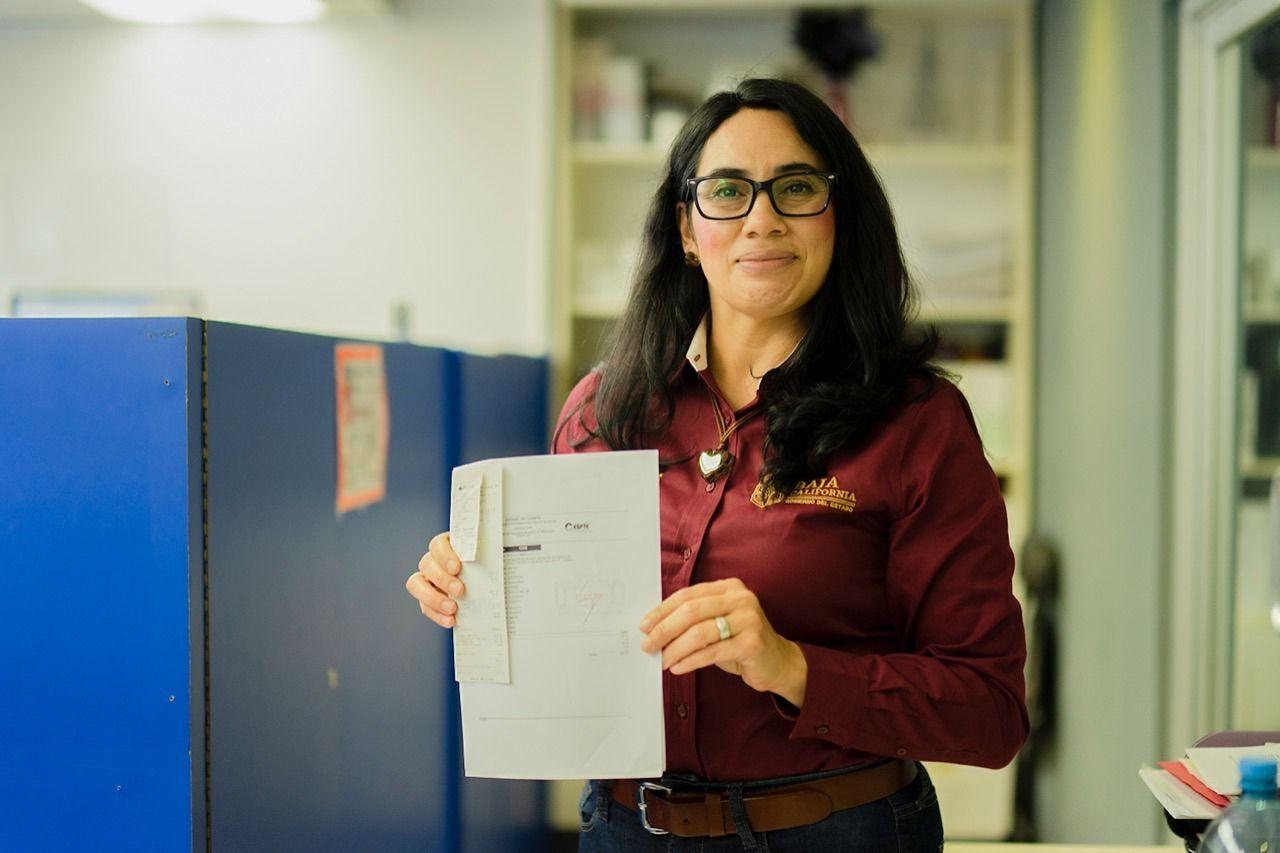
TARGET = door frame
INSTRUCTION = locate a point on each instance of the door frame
(1206, 337)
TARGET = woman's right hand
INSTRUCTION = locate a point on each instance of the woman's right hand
(436, 583)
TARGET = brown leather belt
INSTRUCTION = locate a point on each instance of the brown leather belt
(696, 814)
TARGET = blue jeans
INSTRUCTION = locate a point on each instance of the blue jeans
(907, 821)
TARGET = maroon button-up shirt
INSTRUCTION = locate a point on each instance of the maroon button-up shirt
(892, 572)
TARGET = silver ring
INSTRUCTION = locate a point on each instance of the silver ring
(722, 625)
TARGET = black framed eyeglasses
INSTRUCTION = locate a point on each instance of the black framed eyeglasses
(793, 194)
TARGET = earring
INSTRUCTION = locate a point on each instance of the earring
(691, 259)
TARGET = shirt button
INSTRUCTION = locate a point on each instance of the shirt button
(902, 750)
(711, 487)
(687, 553)
(682, 710)
(822, 730)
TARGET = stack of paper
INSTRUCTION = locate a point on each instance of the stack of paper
(1202, 784)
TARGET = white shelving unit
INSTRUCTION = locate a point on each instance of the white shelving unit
(958, 186)
(1260, 158)
(1260, 310)
(1261, 314)
(1260, 469)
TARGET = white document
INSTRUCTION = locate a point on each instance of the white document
(581, 568)
(480, 644)
(1178, 800)
(1219, 766)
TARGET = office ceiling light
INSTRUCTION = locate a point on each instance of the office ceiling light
(204, 11)
(273, 11)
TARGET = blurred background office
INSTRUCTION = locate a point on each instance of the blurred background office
(1088, 193)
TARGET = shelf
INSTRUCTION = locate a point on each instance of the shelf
(967, 9)
(941, 155)
(1263, 157)
(608, 306)
(596, 306)
(1261, 314)
(1005, 470)
(636, 155)
(974, 310)
(1260, 469)
(965, 159)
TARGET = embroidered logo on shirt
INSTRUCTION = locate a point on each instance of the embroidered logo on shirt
(824, 491)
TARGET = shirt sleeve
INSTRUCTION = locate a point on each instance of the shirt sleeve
(576, 417)
(957, 693)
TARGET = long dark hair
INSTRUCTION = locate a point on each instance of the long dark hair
(855, 359)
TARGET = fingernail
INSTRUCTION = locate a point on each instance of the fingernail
(455, 588)
(644, 625)
(449, 606)
(448, 621)
(454, 566)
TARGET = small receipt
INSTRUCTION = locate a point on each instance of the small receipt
(481, 649)
(464, 512)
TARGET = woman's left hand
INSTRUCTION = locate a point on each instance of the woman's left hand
(684, 627)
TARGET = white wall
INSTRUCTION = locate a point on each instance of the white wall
(301, 176)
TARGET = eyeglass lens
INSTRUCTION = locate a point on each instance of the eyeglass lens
(795, 195)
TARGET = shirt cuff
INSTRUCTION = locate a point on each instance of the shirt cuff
(784, 708)
(835, 696)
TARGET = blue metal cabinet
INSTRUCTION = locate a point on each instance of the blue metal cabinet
(328, 689)
(101, 616)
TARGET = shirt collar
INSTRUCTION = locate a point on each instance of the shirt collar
(697, 353)
(697, 357)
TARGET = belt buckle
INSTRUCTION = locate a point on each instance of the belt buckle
(644, 806)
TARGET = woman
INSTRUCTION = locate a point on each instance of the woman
(835, 557)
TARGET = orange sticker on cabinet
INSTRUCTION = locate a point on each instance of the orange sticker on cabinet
(364, 425)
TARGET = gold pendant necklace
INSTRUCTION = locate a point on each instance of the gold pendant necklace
(715, 462)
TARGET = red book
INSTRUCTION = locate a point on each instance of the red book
(1183, 775)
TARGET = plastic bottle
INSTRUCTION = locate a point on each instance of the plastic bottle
(1252, 823)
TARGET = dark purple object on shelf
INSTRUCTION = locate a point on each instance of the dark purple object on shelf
(836, 41)
(1264, 49)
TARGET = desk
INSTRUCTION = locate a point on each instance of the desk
(995, 847)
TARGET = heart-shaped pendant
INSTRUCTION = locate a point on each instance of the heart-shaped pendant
(713, 463)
